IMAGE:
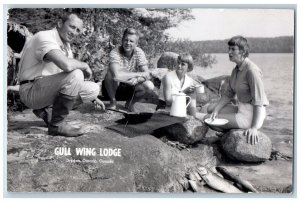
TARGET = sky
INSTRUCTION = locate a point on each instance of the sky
(212, 24)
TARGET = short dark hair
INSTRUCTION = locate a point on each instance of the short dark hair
(241, 42)
(131, 31)
(186, 57)
(68, 16)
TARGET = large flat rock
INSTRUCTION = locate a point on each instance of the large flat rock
(146, 163)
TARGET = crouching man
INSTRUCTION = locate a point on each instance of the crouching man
(128, 63)
(52, 82)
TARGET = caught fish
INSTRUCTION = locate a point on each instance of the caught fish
(229, 176)
(197, 186)
(193, 175)
(216, 182)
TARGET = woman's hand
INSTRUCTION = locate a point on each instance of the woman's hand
(189, 90)
(98, 104)
(214, 115)
(211, 116)
(252, 135)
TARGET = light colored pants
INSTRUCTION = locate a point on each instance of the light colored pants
(244, 115)
(42, 91)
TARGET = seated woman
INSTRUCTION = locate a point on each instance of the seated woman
(178, 81)
(247, 85)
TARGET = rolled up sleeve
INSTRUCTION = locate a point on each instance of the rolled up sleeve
(45, 45)
(257, 90)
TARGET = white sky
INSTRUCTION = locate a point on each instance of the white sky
(211, 24)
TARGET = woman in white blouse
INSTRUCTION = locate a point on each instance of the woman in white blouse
(178, 81)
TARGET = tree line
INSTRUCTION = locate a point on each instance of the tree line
(283, 44)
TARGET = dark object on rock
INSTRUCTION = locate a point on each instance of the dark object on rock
(288, 189)
(167, 60)
(235, 145)
(278, 155)
(143, 123)
(188, 132)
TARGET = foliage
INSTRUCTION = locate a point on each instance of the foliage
(104, 28)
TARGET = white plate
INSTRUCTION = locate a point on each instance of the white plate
(216, 122)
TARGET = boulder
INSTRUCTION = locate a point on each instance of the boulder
(214, 87)
(167, 60)
(234, 144)
(216, 84)
(189, 132)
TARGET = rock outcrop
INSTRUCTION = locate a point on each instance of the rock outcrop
(38, 162)
(189, 132)
(235, 145)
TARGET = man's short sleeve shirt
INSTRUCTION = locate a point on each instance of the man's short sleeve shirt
(132, 65)
(32, 63)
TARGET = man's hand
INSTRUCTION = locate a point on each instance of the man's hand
(99, 104)
(132, 81)
(252, 135)
(146, 75)
(87, 72)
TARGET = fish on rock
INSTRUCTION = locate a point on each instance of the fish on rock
(235, 178)
(216, 182)
(195, 182)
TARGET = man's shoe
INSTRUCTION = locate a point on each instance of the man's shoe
(65, 129)
(60, 110)
(44, 113)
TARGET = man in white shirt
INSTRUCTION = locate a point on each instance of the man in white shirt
(49, 75)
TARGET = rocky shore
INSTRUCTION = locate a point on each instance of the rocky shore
(37, 162)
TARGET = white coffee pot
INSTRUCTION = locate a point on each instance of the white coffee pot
(178, 107)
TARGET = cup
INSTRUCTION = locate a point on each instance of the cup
(200, 88)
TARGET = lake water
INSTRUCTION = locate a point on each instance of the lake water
(278, 77)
